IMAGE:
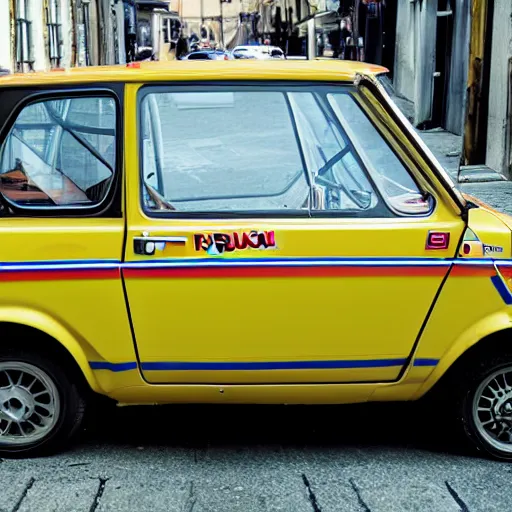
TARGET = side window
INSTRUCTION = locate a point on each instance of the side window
(60, 153)
(302, 150)
(392, 178)
(336, 171)
(221, 151)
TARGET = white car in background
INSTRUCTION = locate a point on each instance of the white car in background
(259, 52)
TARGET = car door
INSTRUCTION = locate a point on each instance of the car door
(277, 234)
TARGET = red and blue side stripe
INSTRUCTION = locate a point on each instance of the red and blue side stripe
(225, 268)
(256, 268)
(498, 280)
(60, 270)
(272, 268)
(242, 267)
(260, 365)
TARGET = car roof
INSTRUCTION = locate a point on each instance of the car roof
(191, 70)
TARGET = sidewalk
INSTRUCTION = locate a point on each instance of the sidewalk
(447, 147)
(497, 194)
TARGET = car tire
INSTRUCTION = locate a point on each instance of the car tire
(483, 405)
(43, 406)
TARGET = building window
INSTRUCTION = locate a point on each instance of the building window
(54, 33)
(166, 30)
(23, 36)
(144, 34)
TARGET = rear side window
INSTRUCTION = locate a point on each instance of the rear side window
(269, 150)
(60, 153)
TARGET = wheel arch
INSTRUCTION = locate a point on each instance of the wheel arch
(488, 334)
(41, 330)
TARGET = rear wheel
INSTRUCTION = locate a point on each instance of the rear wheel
(41, 407)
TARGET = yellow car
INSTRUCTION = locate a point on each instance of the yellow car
(238, 232)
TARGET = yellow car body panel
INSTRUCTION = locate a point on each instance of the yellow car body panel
(184, 71)
(44, 287)
(144, 333)
(470, 307)
(44, 323)
(224, 335)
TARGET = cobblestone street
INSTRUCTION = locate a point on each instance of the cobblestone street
(296, 459)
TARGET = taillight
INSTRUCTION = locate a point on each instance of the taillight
(226, 57)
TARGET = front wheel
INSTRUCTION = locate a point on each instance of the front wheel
(40, 405)
(485, 407)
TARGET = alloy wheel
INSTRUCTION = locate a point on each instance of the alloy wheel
(492, 410)
(29, 403)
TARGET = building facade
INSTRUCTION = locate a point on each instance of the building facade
(431, 60)
(453, 61)
(38, 35)
(499, 112)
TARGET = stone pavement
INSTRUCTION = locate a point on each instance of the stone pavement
(447, 148)
(378, 458)
(497, 194)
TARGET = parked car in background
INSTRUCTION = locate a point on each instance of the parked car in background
(208, 55)
(242, 53)
(239, 232)
(259, 52)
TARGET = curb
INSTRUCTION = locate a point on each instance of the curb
(478, 174)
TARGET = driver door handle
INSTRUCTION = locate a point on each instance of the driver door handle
(147, 244)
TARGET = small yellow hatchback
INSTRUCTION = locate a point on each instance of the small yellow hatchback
(239, 232)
